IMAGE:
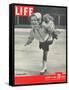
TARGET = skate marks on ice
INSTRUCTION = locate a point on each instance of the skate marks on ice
(28, 59)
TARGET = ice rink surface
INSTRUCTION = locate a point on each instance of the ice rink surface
(28, 59)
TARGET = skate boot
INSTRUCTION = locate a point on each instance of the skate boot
(44, 69)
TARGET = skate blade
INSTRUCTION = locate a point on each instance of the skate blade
(42, 73)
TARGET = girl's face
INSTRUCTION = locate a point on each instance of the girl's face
(46, 18)
(34, 21)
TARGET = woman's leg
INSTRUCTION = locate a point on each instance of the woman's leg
(44, 62)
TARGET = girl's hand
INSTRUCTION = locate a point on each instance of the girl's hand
(27, 43)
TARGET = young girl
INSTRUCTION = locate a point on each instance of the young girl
(35, 21)
(48, 23)
(40, 32)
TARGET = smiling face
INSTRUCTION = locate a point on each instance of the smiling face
(34, 20)
(46, 18)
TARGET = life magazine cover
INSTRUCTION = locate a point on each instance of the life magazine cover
(38, 44)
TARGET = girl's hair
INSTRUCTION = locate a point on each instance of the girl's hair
(47, 16)
(29, 18)
(38, 16)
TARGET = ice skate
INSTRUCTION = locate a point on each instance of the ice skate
(44, 69)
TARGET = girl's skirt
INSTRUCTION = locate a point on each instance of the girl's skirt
(45, 45)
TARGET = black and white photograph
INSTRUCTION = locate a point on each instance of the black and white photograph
(40, 42)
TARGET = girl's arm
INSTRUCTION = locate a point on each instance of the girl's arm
(45, 25)
(30, 39)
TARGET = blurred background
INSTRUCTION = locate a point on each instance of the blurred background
(59, 14)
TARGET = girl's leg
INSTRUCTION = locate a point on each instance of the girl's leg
(44, 62)
(45, 55)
